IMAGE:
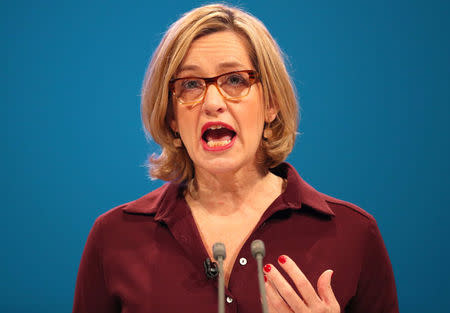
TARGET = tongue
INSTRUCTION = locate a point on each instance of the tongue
(219, 134)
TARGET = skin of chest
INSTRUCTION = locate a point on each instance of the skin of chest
(233, 227)
(231, 231)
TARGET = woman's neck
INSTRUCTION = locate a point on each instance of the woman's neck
(226, 194)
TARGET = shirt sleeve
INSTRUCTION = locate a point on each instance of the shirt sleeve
(376, 287)
(91, 292)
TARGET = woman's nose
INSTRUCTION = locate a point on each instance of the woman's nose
(213, 101)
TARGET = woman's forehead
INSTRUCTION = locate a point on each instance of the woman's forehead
(215, 53)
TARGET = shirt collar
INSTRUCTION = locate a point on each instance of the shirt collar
(158, 202)
(298, 194)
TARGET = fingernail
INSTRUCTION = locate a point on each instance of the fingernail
(282, 259)
(267, 268)
(265, 278)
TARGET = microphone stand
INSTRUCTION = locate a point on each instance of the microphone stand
(220, 255)
(258, 252)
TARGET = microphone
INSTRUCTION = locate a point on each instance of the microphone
(220, 255)
(211, 269)
(258, 252)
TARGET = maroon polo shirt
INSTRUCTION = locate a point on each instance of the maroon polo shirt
(147, 256)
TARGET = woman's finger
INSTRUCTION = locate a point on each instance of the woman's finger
(301, 282)
(325, 290)
(284, 289)
(275, 302)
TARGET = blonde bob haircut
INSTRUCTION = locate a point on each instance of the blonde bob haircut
(174, 163)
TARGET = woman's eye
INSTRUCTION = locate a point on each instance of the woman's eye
(191, 84)
(236, 80)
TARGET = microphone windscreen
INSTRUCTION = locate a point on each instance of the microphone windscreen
(257, 247)
(219, 251)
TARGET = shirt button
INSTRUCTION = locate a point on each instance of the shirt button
(229, 300)
(243, 261)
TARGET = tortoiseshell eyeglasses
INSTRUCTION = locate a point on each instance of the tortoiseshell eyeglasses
(231, 85)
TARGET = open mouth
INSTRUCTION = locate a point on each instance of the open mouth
(217, 136)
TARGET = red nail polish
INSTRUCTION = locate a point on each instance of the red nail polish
(265, 278)
(267, 268)
(282, 259)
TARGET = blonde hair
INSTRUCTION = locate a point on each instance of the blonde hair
(174, 163)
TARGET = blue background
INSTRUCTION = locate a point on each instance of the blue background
(373, 79)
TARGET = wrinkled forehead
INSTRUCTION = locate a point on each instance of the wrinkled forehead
(217, 52)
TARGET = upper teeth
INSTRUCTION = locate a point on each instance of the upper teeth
(215, 127)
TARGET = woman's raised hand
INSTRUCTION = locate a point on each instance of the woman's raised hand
(282, 298)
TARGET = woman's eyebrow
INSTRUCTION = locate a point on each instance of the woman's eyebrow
(233, 64)
(221, 66)
(188, 67)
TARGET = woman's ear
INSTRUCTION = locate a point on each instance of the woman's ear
(173, 125)
(271, 113)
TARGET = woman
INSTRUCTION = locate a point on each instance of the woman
(219, 101)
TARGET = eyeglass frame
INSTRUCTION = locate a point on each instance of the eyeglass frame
(253, 79)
